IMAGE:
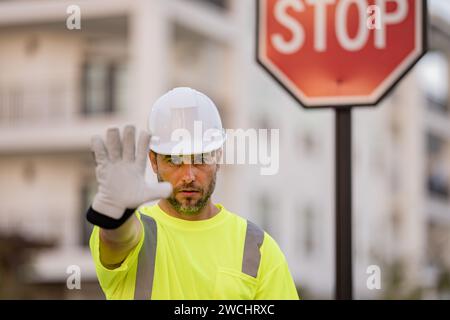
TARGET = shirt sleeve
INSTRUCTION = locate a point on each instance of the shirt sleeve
(118, 283)
(275, 281)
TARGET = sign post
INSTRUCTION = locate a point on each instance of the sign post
(340, 54)
(343, 196)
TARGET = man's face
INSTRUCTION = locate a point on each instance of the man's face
(193, 179)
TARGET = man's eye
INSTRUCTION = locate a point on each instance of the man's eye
(208, 158)
(198, 159)
(175, 160)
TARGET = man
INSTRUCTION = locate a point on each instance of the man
(183, 247)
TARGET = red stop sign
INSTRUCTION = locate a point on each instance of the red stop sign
(339, 52)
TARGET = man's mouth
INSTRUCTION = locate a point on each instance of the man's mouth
(188, 191)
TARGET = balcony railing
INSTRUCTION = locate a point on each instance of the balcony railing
(48, 103)
(437, 106)
(37, 104)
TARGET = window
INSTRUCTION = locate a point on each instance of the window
(306, 235)
(306, 142)
(104, 87)
(438, 165)
(438, 241)
(265, 210)
(433, 76)
(88, 190)
(222, 4)
(202, 63)
(396, 221)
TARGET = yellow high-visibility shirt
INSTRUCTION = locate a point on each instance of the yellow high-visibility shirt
(199, 260)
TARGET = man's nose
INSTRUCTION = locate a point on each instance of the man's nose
(188, 173)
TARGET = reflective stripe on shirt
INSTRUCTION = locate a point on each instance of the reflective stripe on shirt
(252, 255)
(146, 262)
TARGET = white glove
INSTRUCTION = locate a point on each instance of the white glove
(121, 173)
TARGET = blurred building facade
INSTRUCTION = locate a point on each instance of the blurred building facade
(58, 87)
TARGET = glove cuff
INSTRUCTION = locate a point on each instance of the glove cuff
(106, 222)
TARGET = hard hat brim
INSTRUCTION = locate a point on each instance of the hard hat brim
(186, 148)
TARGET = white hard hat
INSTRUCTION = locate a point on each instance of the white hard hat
(184, 121)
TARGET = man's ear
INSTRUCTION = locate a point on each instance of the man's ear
(153, 160)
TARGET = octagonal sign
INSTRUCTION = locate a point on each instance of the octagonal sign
(331, 53)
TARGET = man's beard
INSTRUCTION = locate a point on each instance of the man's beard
(191, 209)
